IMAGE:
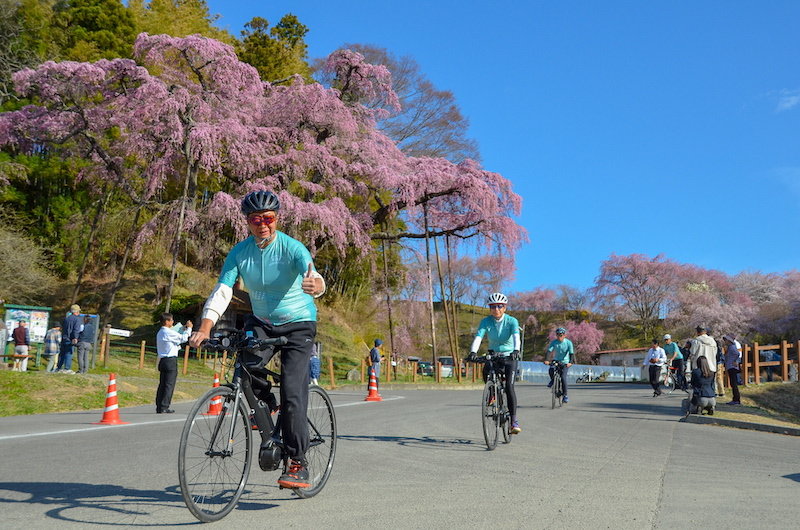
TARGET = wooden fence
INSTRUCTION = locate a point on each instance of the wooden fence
(752, 363)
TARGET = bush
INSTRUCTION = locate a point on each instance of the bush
(24, 269)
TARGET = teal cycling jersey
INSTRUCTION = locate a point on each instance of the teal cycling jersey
(563, 352)
(673, 348)
(500, 333)
(273, 277)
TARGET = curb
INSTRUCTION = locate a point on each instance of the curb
(710, 420)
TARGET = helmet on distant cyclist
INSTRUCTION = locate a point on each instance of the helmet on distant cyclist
(497, 298)
(561, 331)
(259, 201)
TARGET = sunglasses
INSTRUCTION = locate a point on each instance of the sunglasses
(258, 220)
(560, 334)
(496, 306)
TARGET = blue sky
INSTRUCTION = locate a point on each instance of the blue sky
(626, 126)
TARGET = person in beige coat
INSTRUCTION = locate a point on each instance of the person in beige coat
(704, 346)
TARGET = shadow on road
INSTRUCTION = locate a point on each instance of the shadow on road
(793, 476)
(412, 441)
(125, 503)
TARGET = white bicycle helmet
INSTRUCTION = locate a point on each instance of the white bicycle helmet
(497, 298)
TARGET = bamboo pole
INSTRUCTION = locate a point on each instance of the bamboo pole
(330, 369)
(186, 360)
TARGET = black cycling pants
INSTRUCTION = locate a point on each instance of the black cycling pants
(509, 367)
(295, 359)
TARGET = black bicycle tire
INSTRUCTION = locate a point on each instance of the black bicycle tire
(671, 383)
(505, 415)
(199, 423)
(320, 464)
(554, 389)
(489, 416)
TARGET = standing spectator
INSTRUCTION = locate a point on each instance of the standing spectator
(704, 346)
(675, 359)
(719, 381)
(86, 339)
(52, 344)
(167, 343)
(22, 341)
(655, 360)
(375, 357)
(733, 360)
(703, 387)
(314, 364)
(70, 331)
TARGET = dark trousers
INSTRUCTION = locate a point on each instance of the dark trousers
(65, 357)
(733, 379)
(509, 368)
(655, 378)
(564, 370)
(168, 368)
(680, 375)
(295, 357)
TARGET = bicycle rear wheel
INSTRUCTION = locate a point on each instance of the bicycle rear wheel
(322, 441)
(490, 416)
(212, 478)
(505, 416)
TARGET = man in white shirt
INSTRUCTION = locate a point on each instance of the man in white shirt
(168, 342)
(655, 360)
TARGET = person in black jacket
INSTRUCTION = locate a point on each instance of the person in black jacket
(703, 395)
(70, 331)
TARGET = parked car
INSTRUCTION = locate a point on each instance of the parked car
(424, 368)
(447, 366)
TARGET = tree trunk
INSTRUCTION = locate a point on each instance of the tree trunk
(109, 305)
(191, 176)
(430, 287)
(96, 222)
(453, 306)
(447, 316)
(388, 297)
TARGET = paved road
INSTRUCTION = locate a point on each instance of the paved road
(613, 458)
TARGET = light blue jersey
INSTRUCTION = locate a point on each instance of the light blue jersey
(273, 276)
(501, 334)
(563, 352)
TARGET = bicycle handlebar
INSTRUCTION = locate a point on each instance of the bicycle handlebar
(239, 342)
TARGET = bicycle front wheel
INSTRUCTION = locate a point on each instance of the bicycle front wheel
(670, 383)
(505, 415)
(322, 441)
(489, 411)
(212, 473)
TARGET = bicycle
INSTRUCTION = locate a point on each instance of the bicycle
(215, 452)
(496, 417)
(671, 380)
(585, 378)
(557, 394)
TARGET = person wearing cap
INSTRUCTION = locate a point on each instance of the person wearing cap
(375, 359)
(655, 360)
(70, 331)
(704, 346)
(733, 360)
(675, 359)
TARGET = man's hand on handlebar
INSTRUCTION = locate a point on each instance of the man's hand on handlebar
(515, 355)
(198, 338)
(546, 362)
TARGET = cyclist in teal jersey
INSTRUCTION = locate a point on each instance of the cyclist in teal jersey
(279, 275)
(502, 331)
(675, 358)
(561, 350)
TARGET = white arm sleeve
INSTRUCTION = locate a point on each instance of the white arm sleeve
(476, 344)
(218, 302)
(516, 341)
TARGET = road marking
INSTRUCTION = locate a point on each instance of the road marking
(84, 429)
(181, 419)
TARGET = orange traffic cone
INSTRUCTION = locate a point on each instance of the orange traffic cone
(215, 407)
(373, 388)
(111, 412)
